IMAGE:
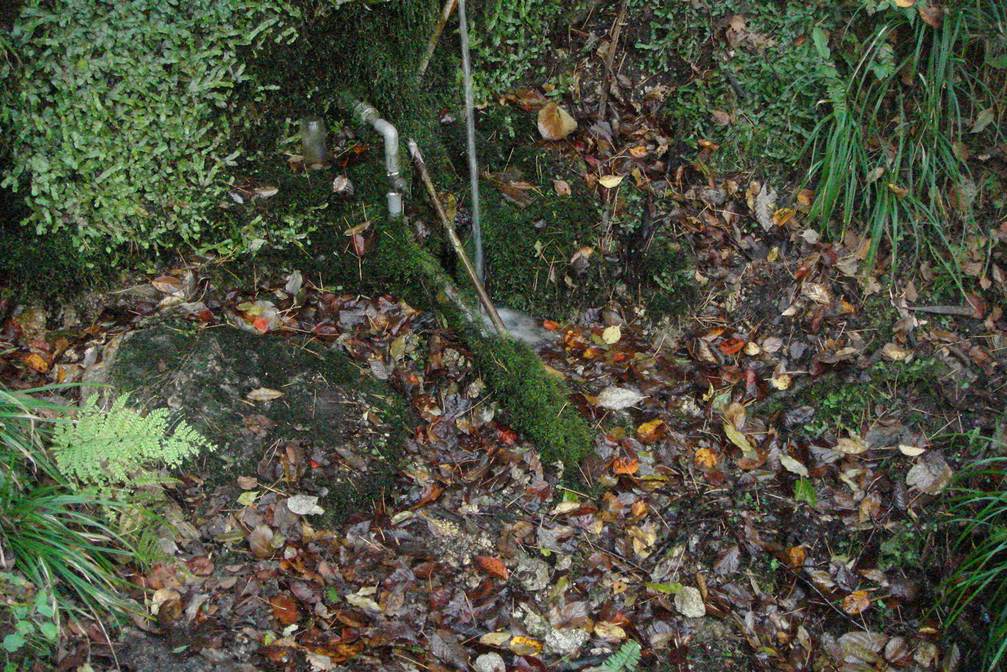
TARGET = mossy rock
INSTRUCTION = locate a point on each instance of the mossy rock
(348, 427)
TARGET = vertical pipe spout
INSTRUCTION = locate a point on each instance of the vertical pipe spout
(396, 184)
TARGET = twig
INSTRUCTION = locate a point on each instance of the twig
(449, 8)
(610, 58)
(963, 311)
(456, 242)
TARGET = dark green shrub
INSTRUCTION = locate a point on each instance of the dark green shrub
(120, 114)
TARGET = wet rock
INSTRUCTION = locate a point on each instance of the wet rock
(490, 662)
(144, 653)
(565, 641)
(267, 405)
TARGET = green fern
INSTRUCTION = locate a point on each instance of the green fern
(120, 448)
(626, 659)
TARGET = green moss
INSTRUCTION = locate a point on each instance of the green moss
(765, 81)
(537, 402)
(209, 367)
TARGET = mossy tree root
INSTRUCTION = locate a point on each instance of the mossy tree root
(538, 402)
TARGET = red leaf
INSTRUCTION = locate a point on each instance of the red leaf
(261, 324)
(732, 346)
(285, 609)
(492, 566)
(625, 466)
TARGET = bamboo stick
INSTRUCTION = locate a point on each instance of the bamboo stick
(449, 8)
(456, 242)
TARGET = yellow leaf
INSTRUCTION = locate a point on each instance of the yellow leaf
(37, 362)
(905, 3)
(524, 646)
(739, 439)
(648, 431)
(610, 181)
(610, 631)
(494, 638)
(611, 334)
(705, 458)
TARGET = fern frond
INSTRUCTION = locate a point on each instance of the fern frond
(626, 659)
(122, 448)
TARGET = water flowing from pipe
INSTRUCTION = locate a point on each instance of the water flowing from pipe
(470, 127)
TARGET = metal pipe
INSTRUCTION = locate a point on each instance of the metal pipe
(396, 185)
(470, 128)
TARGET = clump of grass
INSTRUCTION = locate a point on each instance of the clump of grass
(980, 581)
(891, 154)
(54, 535)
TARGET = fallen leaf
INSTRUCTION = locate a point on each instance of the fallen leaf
(304, 505)
(285, 610)
(610, 181)
(263, 394)
(739, 439)
(618, 398)
(856, 602)
(493, 566)
(260, 541)
(931, 474)
(555, 123)
(793, 466)
(911, 451)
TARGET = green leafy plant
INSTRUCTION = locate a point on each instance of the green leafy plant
(752, 88)
(34, 623)
(53, 535)
(120, 114)
(906, 89)
(626, 659)
(121, 447)
(980, 581)
(511, 40)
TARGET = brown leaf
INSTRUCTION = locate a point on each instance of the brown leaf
(932, 14)
(285, 609)
(260, 541)
(493, 566)
(931, 474)
(856, 602)
(201, 566)
(555, 123)
(625, 466)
